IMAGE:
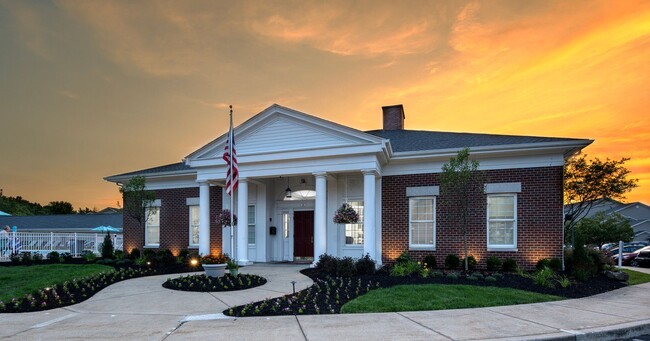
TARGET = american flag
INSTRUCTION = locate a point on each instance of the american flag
(230, 156)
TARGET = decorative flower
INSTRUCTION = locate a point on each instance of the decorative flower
(214, 259)
(224, 218)
(232, 265)
(346, 215)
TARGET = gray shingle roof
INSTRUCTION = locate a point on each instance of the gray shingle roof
(67, 222)
(174, 167)
(417, 140)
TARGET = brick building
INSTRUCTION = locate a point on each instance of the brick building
(296, 170)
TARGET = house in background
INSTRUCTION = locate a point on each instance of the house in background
(637, 213)
(63, 223)
(296, 170)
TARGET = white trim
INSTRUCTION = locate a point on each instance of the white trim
(505, 187)
(254, 225)
(422, 191)
(155, 205)
(192, 201)
(422, 246)
(504, 247)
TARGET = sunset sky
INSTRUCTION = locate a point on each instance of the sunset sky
(90, 89)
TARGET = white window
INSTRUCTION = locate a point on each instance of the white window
(502, 221)
(251, 224)
(194, 226)
(285, 225)
(152, 228)
(422, 222)
(354, 232)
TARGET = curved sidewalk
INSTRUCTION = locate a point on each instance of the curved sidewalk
(141, 309)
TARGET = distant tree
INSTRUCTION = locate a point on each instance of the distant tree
(87, 210)
(458, 183)
(59, 207)
(602, 228)
(107, 247)
(587, 181)
(136, 199)
(18, 206)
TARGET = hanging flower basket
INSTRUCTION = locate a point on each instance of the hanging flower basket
(224, 218)
(346, 215)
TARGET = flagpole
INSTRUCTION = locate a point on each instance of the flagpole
(232, 193)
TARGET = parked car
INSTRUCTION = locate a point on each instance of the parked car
(627, 248)
(628, 257)
(642, 259)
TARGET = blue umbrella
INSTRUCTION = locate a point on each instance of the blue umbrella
(106, 229)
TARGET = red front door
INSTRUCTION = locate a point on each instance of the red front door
(303, 234)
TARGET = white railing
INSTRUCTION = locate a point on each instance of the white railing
(44, 243)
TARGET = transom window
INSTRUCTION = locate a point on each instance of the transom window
(152, 228)
(194, 226)
(354, 232)
(422, 222)
(502, 220)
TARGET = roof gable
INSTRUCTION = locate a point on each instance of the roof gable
(280, 129)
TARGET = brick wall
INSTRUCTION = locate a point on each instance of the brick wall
(175, 221)
(539, 217)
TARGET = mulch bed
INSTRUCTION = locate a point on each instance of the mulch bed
(329, 294)
(203, 283)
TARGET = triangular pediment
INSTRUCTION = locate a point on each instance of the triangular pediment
(278, 129)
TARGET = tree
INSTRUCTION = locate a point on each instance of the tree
(107, 247)
(458, 183)
(588, 181)
(59, 207)
(136, 199)
(602, 228)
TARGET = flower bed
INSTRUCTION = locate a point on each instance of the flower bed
(203, 283)
(70, 292)
(329, 294)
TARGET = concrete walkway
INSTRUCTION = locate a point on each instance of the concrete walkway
(141, 309)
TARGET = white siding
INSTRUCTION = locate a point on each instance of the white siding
(283, 134)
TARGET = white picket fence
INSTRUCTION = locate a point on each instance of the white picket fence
(44, 243)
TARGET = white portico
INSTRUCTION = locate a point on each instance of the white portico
(323, 163)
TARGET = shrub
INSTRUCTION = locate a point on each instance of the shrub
(403, 258)
(556, 264)
(119, 254)
(436, 274)
(165, 257)
(124, 262)
(327, 264)
(406, 269)
(183, 254)
(37, 257)
(135, 253)
(149, 254)
(106, 261)
(66, 257)
(472, 278)
(26, 258)
(544, 277)
(15, 258)
(493, 263)
(430, 261)
(509, 265)
(141, 261)
(345, 267)
(365, 265)
(452, 261)
(452, 275)
(107, 247)
(54, 257)
(471, 262)
(88, 256)
(490, 279)
(564, 281)
(543, 263)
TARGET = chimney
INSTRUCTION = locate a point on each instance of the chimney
(393, 117)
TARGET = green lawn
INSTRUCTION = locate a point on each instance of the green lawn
(437, 297)
(17, 281)
(636, 277)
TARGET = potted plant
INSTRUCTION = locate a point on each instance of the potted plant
(214, 265)
(224, 218)
(232, 267)
(346, 215)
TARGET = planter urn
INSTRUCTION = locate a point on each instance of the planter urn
(214, 270)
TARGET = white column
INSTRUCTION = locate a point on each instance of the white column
(320, 216)
(369, 242)
(204, 218)
(242, 222)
